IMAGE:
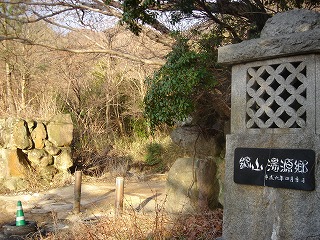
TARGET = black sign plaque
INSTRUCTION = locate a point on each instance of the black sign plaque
(279, 168)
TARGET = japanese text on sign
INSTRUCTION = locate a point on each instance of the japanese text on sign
(285, 168)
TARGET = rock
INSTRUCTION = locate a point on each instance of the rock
(2, 132)
(50, 148)
(191, 139)
(21, 135)
(25, 143)
(192, 186)
(295, 21)
(7, 133)
(296, 33)
(63, 161)
(39, 134)
(60, 130)
(31, 124)
(40, 158)
(17, 163)
(62, 176)
(3, 164)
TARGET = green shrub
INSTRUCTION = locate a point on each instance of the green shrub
(154, 154)
(172, 92)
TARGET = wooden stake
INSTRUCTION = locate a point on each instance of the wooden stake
(119, 195)
(77, 192)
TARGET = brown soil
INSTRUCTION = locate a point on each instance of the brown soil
(97, 199)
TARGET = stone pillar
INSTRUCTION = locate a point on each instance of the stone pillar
(275, 108)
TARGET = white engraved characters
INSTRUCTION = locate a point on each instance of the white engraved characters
(273, 165)
(301, 166)
(278, 169)
(287, 165)
(245, 162)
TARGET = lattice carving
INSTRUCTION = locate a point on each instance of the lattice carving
(276, 96)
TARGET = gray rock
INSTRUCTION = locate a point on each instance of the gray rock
(279, 40)
(14, 184)
(7, 133)
(295, 21)
(31, 124)
(192, 186)
(195, 144)
(47, 172)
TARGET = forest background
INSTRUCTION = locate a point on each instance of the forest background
(127, 71)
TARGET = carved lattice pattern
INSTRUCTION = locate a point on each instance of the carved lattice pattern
(276, 96)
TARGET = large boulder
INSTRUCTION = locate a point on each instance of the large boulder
(192, 186)
(60, 130)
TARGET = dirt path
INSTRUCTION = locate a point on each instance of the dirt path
(97, 199)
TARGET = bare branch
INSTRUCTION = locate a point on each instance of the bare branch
(55, 23)
(111, 52)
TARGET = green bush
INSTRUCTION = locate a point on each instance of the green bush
(173, 90)
(154, 154)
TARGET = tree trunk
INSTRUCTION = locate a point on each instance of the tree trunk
(11, 105)
(23, 91)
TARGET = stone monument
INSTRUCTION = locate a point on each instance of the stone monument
(272, 179)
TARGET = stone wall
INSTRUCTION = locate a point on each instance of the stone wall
(34, 145)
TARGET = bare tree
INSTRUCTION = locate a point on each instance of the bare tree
(66, 16)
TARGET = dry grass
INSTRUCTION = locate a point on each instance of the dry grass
(33, 181)
(128, 155)
(155, 226)
(206, 225)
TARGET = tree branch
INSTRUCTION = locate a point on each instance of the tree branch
(111, 52)
(218, 21)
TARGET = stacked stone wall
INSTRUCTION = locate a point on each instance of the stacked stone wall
(29, 146)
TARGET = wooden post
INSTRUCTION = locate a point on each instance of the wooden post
(77, 192)
(119, 195)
